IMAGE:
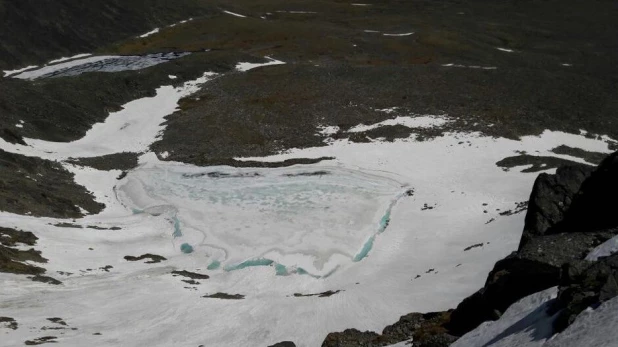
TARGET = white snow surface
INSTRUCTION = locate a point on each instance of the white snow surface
(317, 223)
(591, 328)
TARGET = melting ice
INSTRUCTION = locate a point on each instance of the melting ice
(289, 218)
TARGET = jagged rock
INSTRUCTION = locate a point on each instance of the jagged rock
(535, 267)
(558, 249)
(551, 196)
(350, 338)
(426, 330)
(569, 214)
(585, 284)
(511, 279)
(594, 206)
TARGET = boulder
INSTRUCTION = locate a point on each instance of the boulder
(551, 196)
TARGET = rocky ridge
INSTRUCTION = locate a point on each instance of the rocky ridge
(569, 214)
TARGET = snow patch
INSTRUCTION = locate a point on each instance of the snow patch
(328, 130)
(131, 129)
(505, 50)
(99, 64)
(408, 121)
(235, 14)
(402, 34)
(152, 32)
(470, 66)
(52, 68)
(249, 66)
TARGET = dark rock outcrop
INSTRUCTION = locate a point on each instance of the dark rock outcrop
(325, 294)
(13, 260)
(551, 196)
(511, 279)
(191, 275)
(426, 330)
(9, 323)
(594, 206)
(46, 279)
(153, 258)
(566, 216)
(284, 344)
(39, 187)
(569, 214)
(225, 296)
(585, 284)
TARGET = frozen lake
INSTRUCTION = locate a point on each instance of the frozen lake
(305, 221)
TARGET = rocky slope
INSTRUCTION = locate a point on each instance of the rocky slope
(33, 32)
(505, 69)
(569, 214)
